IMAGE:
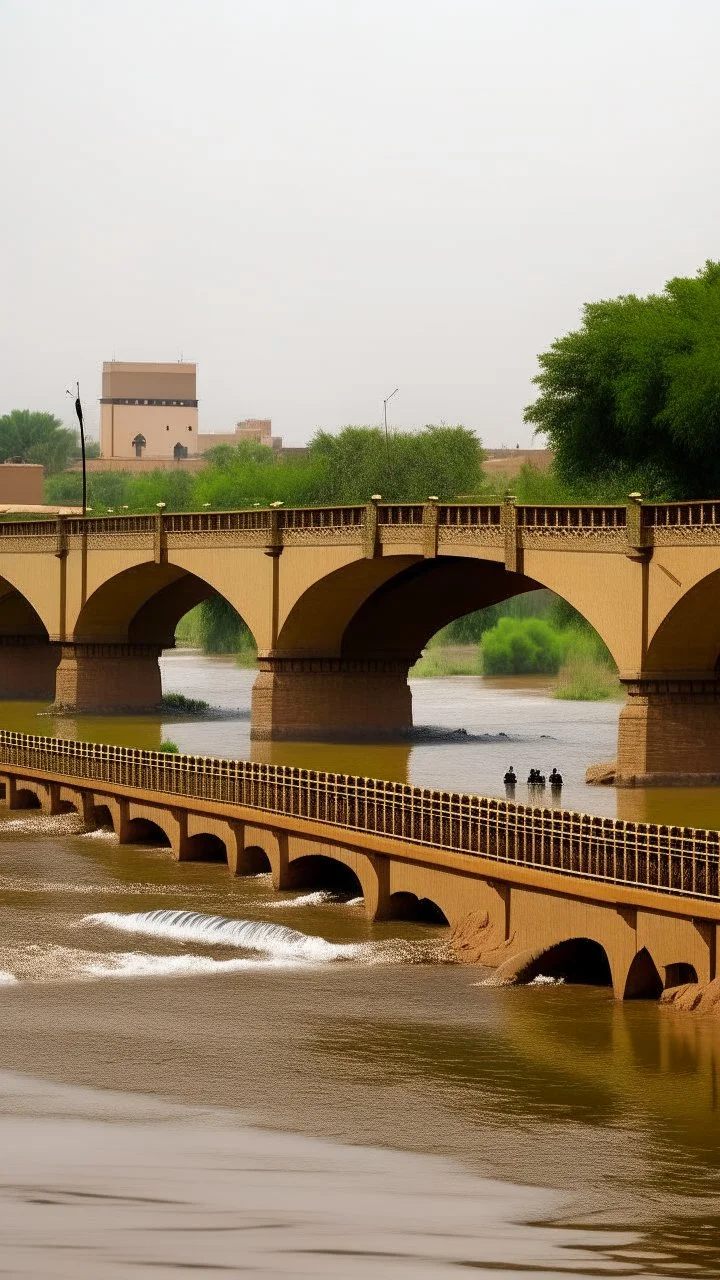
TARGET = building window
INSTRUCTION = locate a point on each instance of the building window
(189, 428)
(167, 426)
(139, 444)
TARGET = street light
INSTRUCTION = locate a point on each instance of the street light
(385, 405)
(387, 441)
(161, 506)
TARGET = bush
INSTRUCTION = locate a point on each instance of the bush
(522, 646)
(170, 748)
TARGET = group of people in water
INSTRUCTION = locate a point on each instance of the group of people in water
(536, 782)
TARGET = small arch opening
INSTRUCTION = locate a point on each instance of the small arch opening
(677, 975)
(102, 818)
(643, 980)
(67, 806)
(577, 961)
(26, 799)
(142, 831)
(255, 861)
(206, 848)
(407, 906)
(316, 871)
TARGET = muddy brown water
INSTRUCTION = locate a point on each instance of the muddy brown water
(306, 1093)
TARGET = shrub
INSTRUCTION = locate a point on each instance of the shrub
(522, 646)
(171, 748)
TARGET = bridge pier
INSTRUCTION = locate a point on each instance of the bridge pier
(669, 728)
(108, 677)
(27, 667)
(326, 698)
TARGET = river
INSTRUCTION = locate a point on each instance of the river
(311, 1094)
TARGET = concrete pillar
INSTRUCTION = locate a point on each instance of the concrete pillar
(326, 698)
(27, 667)
(670, 728)
(108, 677)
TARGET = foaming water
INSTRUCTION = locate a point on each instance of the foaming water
(137, 964)
(275, 940)
(6, 979)
(315, 899)
(101, 833)
(44, 824)
(246, 935)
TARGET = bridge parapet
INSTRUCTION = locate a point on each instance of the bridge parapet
(679, 861)
(599, 525)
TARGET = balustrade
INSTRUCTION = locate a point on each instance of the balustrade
(678, 860)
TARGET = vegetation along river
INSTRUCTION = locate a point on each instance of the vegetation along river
(199, 1073)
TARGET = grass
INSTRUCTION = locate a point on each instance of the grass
(450, 660)
(170, 748)
(586, 679)
(178, 704)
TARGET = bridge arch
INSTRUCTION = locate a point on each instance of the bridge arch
(690, 630)
(145, 831)
(319, 871)
(345, 648)
(205, 847)
(581, 961)
(28, 660)
(408, 906)
(111, 661)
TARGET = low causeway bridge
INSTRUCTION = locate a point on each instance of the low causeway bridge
(526, 890)
(341, 601)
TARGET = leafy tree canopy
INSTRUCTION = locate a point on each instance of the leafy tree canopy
(632, 398)
(26, 436)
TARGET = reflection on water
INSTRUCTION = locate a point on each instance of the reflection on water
(509, 721)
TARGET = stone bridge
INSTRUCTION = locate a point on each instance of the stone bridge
(341, 601)
(528, 891)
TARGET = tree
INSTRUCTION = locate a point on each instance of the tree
(351, 466)
(26, 436)
(632, 398)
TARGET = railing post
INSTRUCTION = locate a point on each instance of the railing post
(370, 531)
(636, 533)
(274, 544)
(159, 540)
(511, 531)
(430, 528)
(61, 548)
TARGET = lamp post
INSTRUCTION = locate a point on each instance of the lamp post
(79, 412)
(387, 440)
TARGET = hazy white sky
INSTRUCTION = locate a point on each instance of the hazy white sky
(320, 200)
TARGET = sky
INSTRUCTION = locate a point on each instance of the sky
(322, 200)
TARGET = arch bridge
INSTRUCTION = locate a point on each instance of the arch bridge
(341, 601)
(531, 892)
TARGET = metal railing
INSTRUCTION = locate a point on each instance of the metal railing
(676, 860)
(674, 515)
(572, 517)
(580, 519)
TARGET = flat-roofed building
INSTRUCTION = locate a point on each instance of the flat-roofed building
(148, 410)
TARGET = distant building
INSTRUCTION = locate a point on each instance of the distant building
(149, 413)
(21, 483)
(148, 410)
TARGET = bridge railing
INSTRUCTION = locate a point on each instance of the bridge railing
(681, 515)
(677, 860)
(573, 520)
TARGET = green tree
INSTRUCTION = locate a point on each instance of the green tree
(631, 399)
(37, 437)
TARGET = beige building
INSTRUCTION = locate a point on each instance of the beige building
(148, 410)
(149, 413)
